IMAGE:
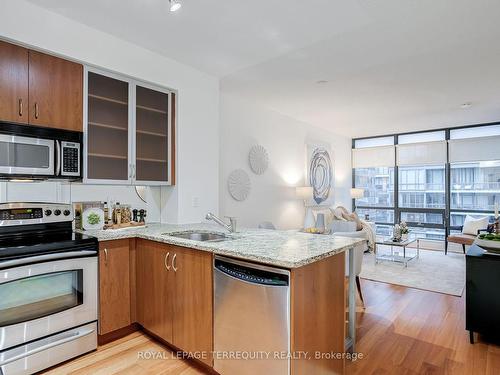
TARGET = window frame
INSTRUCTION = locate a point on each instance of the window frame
(447, 211)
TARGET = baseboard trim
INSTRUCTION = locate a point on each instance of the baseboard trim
(118, 334)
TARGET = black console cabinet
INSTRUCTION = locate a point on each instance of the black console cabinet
(482, 303)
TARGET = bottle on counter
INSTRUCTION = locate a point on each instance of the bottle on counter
(117, 214)
(106, 213)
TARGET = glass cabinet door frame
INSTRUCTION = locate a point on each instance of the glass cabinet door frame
(133, 152)
(132, 161)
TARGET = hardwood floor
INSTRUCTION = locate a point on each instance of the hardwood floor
(401, 331)
(129, 355)
(410, 331)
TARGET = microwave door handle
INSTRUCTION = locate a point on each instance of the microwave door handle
(58, 158)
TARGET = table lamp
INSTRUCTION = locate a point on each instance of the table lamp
(306, 193)
(357, 193)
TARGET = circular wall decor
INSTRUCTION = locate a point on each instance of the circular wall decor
(239, 184)
(259, 159)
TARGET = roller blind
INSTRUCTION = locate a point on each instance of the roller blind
(373, 157)
(475, 149)
(425, 153)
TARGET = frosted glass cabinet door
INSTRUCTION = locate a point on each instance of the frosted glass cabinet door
(108, 124)
(152, 135)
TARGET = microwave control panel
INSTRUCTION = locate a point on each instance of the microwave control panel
(70, 159)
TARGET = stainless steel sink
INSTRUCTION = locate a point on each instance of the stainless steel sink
(199, 236)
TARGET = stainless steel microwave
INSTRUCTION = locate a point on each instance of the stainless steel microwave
(39, 153)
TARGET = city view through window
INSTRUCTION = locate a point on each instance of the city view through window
(422, 193)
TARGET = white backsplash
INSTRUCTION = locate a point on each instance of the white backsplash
(63, 192)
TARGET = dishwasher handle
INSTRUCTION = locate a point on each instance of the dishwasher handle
(252, 275)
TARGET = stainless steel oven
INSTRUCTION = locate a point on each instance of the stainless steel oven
(42, 153)
(48, 288)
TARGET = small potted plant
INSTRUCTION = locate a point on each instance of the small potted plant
(403, 227)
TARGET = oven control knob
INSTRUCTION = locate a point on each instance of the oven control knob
(66, 212)
(57, 212)
(48, 212)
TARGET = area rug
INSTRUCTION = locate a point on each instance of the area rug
(432, 271)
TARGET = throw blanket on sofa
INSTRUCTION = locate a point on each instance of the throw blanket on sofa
(370, 233)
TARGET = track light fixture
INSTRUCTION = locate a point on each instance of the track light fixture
(175, 5)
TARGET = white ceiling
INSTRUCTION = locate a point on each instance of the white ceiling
(391, 65)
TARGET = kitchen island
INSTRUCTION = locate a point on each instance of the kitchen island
(171, 288)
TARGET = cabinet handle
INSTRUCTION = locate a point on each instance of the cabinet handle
(20, 107)
(105, 255)
(36, 110)
(166, 261)
(174, 262)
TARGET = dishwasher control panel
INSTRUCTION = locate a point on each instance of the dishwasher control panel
(251, 275)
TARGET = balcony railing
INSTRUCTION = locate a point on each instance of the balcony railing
(423, 187)
(475, 186)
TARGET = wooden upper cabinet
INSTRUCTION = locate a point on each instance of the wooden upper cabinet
(13, 83)
(114, 285)
(55, 92)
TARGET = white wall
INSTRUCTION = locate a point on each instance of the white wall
(272, 197)
(198, 103)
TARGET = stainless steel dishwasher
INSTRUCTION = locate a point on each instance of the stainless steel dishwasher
(252, 318)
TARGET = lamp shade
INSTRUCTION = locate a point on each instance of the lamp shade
(357, 193)
(304, 192)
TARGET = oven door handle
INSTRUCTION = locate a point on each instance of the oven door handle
(41, 258)
(41, 348)
(58, 158)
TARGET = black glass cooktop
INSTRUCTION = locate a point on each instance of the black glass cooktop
(18, 242)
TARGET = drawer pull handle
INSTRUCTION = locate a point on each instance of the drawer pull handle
(166, 261)
(20, 107)
(36, 110)
(106, 255)
(174, 263)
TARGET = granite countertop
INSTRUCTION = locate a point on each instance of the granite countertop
(288, 249)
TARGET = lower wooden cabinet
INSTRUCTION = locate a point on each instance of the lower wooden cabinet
(167, 289)
(114, 285)
(174, 295)
(193, 301)
(154, 288)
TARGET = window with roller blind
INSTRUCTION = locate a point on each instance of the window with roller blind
(373, 171)
(474, 173)
(436, 178)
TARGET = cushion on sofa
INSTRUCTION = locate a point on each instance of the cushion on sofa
(353, 217)
(473, 225)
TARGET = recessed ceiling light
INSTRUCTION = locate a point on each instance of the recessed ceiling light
(466, 105)
(321, 82)
(175, 5)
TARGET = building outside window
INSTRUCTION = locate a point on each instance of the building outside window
(420, 162)
(474, 186)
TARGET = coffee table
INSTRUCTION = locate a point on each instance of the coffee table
(396, 257)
